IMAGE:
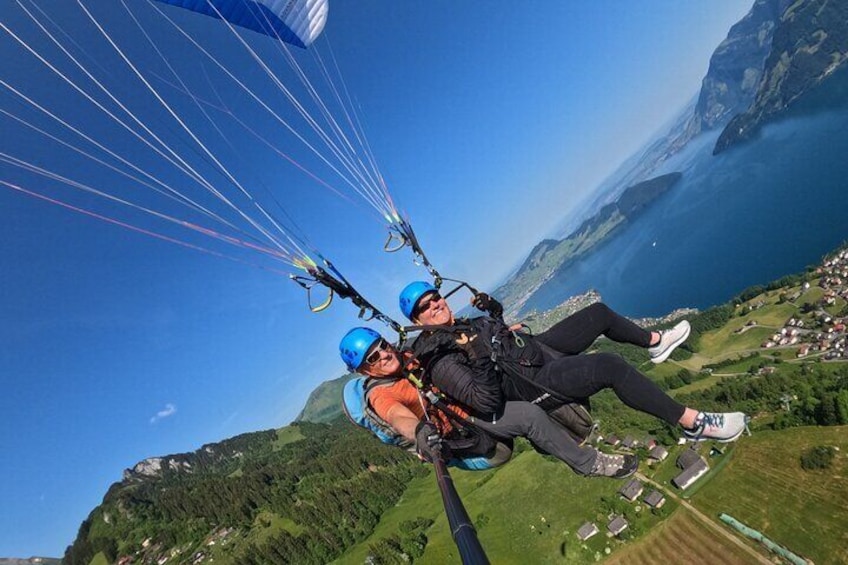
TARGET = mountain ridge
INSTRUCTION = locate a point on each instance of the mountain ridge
(29, 561)
(322, 406)
(810, 42)
(727, 89)
(549, 256)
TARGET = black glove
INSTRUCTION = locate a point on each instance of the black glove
(486, 303)
(428, 442)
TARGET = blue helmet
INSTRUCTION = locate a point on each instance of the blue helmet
(355, 345)
(410, 296)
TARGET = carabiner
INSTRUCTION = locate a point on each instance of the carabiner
(363, 311)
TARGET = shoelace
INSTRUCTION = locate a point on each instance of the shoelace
(713, 420)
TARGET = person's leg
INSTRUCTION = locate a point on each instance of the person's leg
(522, 419)
(576, 333)
(581, 376)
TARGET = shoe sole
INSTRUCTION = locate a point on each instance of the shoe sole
(659, 359)
(725, 440)
(630, 474)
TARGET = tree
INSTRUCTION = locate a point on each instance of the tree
(842, 406)
(819, 457)
(826, 412)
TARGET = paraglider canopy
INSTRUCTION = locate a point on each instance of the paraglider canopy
(298, 22)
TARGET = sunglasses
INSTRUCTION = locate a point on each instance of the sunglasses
(428, 302)
(374, 356)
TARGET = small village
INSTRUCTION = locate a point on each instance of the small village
(815, 331)
(690, 466)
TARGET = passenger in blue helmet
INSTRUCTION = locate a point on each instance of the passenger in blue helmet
(398, 403)
(475, 356)
(355, 345)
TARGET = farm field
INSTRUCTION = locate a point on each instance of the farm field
(681, 539)
(765, 487)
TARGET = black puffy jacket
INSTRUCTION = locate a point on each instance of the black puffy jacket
(479, 363)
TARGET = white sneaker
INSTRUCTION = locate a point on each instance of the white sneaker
(669, 340)
(721, 427)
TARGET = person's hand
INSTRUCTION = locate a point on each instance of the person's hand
(486, 303)
(428, 442)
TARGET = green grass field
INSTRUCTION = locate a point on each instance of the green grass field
(837, 307)
(534, 508)
(703, 384)
(527, 511)
(724, 343)
(656, 372)
(289, 434)
(764, 486)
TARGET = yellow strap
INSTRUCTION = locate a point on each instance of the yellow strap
(321, 307)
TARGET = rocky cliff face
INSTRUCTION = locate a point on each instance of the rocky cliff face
(737, 66)
(155, 466)
(209, 457)
(809, 43)
(728, 88)
(735, 71)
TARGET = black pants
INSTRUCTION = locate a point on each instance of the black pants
(576, 333)
(522, 419)
(577, 377)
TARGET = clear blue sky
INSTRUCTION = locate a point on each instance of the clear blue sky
(490, 122)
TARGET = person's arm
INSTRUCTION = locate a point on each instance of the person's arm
(425, 435)
(402, 419)
(480, 391)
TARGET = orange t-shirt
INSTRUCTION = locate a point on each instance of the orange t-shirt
(382, 398)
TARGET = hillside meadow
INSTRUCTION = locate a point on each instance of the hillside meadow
(529, 510)
(764, 486)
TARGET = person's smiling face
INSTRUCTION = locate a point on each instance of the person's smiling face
(433, 310)
(382, 360)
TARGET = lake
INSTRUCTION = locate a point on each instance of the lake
(748, 216)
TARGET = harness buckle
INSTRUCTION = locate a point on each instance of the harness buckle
(495, 343)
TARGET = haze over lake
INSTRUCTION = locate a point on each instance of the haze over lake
(747, 216)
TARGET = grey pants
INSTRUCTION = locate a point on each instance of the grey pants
(522, 419)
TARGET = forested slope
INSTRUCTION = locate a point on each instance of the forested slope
(268, 497)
